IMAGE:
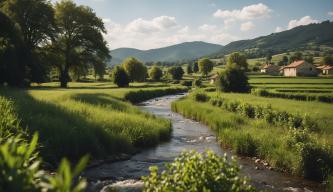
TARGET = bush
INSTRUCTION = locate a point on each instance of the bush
(120, 77)
(20, 169)
(186, 83)
(176, 72)
(197, 83)
(135, 69)
(155, 73)
(193, 171)
(200, 96)
(233, 79)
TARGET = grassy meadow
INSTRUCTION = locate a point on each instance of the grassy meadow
(88, 118)
(292, 135)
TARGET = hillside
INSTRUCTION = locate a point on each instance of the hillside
(183, 51)
(299, 38)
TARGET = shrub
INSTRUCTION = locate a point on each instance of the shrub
(20, 169)
(135, 69)
(155, 73)
(200, 96)
(176, 72)
(192, 171)
(233, 79)
(197, 83)
(186, 83)
(120, 77)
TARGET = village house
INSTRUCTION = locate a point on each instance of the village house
(300, 68)
(270, 69)
(326, 69)
(214, 78)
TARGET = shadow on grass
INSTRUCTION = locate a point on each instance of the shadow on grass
(63, 133)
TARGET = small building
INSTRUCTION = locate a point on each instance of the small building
(214, 78)
(270, 69)
(300, 68)
(328, 70)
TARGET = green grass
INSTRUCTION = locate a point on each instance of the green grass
(87, 118)
(257, 137)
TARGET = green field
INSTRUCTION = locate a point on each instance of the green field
(87, 118)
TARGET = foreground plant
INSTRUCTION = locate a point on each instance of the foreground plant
(20, 169)
(193, 171)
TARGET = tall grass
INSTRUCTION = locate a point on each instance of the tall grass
(73, 123)
(283, 148)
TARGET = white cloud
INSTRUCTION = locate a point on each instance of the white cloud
(161, 31)
(254, 11)
(302, 21)
(147, 26)
(207, 28)
(330, 13)
(279, 29)
(247, 26)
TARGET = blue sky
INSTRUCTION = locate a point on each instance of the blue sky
(146, 24)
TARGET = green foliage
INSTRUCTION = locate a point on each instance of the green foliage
(195, 67)
(189, 69)
(120, 77)
(205, 66)
(238, 59)
(20, 169)
(155, 73)
(192, 171)
(233, 79)
(142, 95)
(186, 83)
(80, 43)
(176, 72)
(328, 60)
(197, 83)
(135, 69)
(200, 96)
(296, 96)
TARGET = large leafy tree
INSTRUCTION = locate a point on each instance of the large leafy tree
(135, 69)
(239, 59)
(80, 38)
(35, 20)
(233, 79)
(155, 73)
(120, 77)
(205, 66)
(176, 72)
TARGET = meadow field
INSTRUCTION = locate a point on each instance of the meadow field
(87, 118)
(293, 135)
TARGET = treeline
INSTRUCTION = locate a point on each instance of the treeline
(37, 36)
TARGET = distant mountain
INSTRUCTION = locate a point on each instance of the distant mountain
(183, 51)
(302, 37)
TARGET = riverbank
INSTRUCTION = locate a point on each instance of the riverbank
(88, 118)
(288, 150)
(187, 135)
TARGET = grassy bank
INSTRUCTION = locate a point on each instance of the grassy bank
(86, 120)
(299, 151)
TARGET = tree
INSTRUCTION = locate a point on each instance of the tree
(205, 66)
(285, 60)
(195, 67)
(268, 58)
(176, 72)
(328, 60)
(309, 59)
(189, 69)
(35, 19)
(295, 57)
(155, 73)
(233, 79)
(238, 59)
(120, 77)
(135, 69)
(79, 40)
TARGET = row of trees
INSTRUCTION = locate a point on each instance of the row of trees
(36, 35)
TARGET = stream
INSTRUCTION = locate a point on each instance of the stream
(187, 135)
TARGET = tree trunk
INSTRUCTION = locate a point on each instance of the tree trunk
(64, 77)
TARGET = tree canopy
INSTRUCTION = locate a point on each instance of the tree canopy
(238, 59)
(120, 77)
(205, 66)
(176, 72)
(155, 73)
(135, 69)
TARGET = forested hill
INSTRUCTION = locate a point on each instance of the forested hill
(183, 51)
(309, 36)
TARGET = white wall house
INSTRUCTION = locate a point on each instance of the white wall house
(300, 68)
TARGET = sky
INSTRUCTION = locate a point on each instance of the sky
(149, 24)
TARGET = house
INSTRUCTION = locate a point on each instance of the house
(270, 69)
(300, 68)
(214, 78)
(328, 70)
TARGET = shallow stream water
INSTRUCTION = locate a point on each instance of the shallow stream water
(187, 135)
